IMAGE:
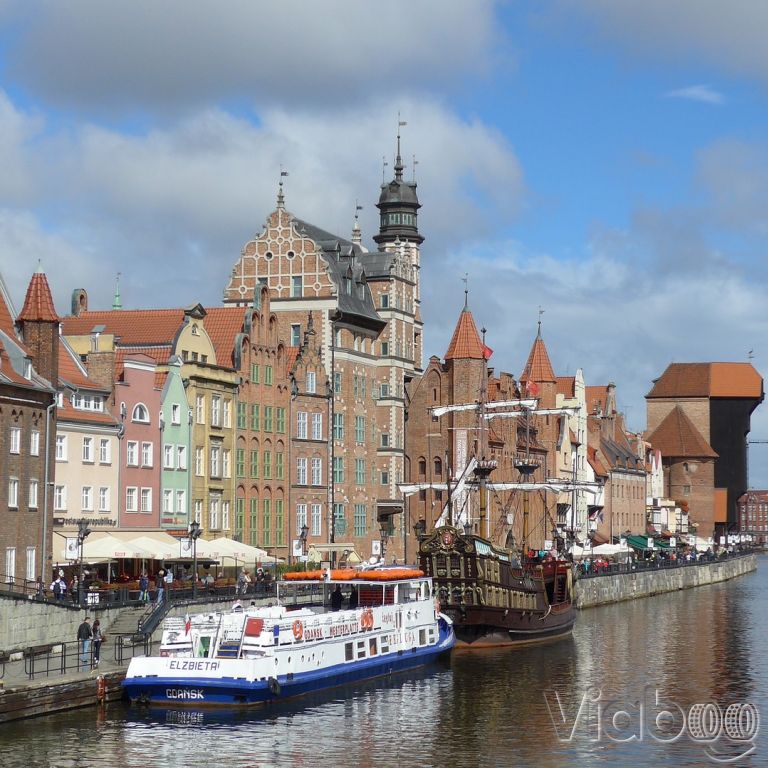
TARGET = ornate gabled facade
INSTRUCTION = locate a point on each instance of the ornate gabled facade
(365, 313)
(29, 363)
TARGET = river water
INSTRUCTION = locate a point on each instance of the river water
(626, 689)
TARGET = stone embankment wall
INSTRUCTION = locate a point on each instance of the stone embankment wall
(617, 587)
(25, 623)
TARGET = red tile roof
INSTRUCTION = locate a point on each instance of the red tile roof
(7, 372)
(136, 327)
(71, 372)
(291, 353)
(597, 399)
(708, 380)
(38, 303)
(677, 437)
(222, 325)
(566, 386)
(466, 343)
(538, 368)
(594, 462)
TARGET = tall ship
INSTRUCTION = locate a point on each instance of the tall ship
(498, 590)
(327, 629)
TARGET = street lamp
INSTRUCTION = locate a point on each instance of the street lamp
(194, 534)
(303, 540)
(83, 532)
(467, 528)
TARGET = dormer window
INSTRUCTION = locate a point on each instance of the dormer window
(195, 331)
(28, 370)
(348, 285)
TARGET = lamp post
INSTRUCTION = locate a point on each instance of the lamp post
(83, 532)
(303, 540)
(194, 534)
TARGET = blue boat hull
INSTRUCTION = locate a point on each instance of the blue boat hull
(202, 691)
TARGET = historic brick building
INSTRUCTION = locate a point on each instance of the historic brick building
(753, 515)
(699, 417)
(365, 313)
(29, 362)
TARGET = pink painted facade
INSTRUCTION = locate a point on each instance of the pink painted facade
(137, 400)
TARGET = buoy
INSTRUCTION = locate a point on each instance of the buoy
(101, 689)
(274, 686)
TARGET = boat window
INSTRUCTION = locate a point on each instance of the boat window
(422, 637)
(372, 646)
(204, 646)
(361, 649)
(385, 644)
(349, 653)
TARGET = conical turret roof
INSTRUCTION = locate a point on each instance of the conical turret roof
(38, 303)
(466, 342)
(538, 368)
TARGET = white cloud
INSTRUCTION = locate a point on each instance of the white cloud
(707, 32)
(180, 54)
(702, 93)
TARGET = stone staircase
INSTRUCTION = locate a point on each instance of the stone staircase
(126, 621)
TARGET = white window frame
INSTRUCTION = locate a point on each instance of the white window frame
(86, 498)
(34, 442)
(131, 499)
(215, 458)
(104, 498)
(105, 451)
(146, 454)
(140, 414)
(181, 457)
(132, 453)
(30, 574)
(175, 414)
(215, 411)
(317, 471)
(316, 516)
(225, 509)
(146, 500)
(199, 463)
(13, 492)
(60, 498)
(15, 440)
(317, 426)
(311, 382)
(167, 501)
(200, 409)
(301, 470)
(34, 486)
(87, 450)
(168, 456)
(227, 413)
(301, 425)
(61, 447)
(181, 502)
(213, 512)
(226, 462)
(301, 517)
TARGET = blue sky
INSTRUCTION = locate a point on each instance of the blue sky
(603, 159)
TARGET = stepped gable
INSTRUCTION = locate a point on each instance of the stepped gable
(38, 303)
(538, 368)
(677, 436)
(465, 343)
(708, 380)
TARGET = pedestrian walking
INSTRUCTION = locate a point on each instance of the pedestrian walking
(98, 639)
(160, 585)
(84, 636)
(243, 580)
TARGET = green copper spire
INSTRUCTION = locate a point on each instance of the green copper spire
(116, 303)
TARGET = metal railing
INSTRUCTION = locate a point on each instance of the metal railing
(597, 569)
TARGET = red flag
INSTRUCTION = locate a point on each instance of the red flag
(187, 623)
(532, 388)
(487, 352)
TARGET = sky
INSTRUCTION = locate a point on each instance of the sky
(602, 161)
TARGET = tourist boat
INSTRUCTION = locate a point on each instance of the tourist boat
(388, 622)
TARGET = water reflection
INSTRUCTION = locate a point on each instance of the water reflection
(486, 708)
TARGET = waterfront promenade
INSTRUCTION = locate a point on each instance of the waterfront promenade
(47, 678)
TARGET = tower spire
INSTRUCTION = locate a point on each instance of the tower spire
(280, 196)
(538, 332)
(399, 160)
(465, 280)
(356, 235)
(116, 302)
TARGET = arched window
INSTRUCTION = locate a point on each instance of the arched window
(140, 413)
(438, 467)
(422, 467)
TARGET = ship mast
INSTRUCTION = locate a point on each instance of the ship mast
(484, 465)
(526, 465)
